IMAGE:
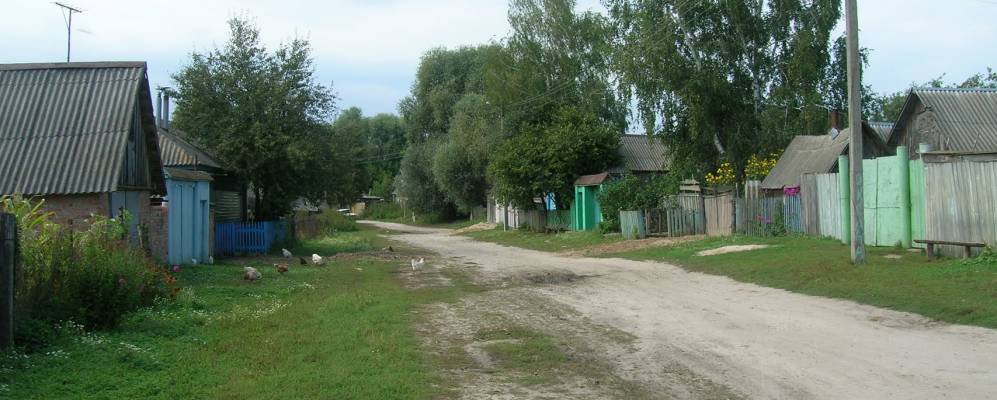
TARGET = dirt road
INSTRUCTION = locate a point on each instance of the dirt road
(758, 342)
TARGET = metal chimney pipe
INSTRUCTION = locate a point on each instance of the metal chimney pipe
(166, 110)
(159, 109)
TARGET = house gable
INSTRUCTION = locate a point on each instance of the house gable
(65, 129)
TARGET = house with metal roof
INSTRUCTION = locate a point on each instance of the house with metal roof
(962, 120)
(228, 192)
(641, 155)
(818, 154)
(80, 135)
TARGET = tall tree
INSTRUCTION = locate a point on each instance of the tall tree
(264, 114)
(548, 158)
(443, 78)
(460, 164)
(709, 75)
(554, 57)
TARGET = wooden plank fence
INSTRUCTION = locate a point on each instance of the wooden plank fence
(632, 225)
(829, 205)
(256, 237)
(809, 197)
(718, 214)
(959, 204)
(8, 263)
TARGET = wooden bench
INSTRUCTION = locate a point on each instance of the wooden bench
(966, 246)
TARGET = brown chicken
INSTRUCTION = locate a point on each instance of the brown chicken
(281, 269)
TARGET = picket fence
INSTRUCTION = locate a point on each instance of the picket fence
(257, 237)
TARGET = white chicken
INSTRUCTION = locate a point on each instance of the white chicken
(417, 264)
(316, 259)
(286, 253)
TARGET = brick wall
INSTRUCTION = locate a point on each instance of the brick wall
(157, 229)
(74, 209)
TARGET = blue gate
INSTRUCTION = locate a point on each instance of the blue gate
(256, 237)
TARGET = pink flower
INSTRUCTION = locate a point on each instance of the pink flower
(176, 269)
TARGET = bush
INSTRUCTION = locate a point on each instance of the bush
(334, 221)
(633, 193)
(385, 211)
(609, 226)
(91, 277)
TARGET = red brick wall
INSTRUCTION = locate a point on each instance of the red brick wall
(74, 209)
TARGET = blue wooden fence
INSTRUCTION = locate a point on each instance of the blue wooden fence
(248, 237)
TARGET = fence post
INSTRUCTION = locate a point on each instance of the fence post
(904, 171)
(8, 263)
(845, 199)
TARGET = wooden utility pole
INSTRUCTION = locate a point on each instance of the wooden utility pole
(855, 128)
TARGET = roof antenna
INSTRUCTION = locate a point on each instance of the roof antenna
(69, 23)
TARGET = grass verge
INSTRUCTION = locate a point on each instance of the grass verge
(542, 241)
(341, 331)
(947, 290)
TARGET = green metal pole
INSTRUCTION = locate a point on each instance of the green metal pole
(845, 200)
(904, 181)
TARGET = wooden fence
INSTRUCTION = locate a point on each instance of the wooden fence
(8, 262)
(307, 226)
(632, 225)
(257, 237)
(960, 199)
(718, 214)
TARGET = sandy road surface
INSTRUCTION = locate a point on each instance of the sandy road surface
(761, 342)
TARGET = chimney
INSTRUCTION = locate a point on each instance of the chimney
(159, 108)
(166, 109)
(836, 119)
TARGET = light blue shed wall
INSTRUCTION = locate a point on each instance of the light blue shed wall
(189, 211)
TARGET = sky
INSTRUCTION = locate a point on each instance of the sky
(368, 50)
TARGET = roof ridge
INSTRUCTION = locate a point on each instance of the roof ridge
(74, 65)
(955, 90)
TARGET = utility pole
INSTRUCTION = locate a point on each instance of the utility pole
(69, 24)
(855, 127)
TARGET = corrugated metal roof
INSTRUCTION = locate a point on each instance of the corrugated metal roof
(883, 129)
(816, 155)
(64, 127)
(591, 180)
(641, 153)
(179, 152)
(967, 118)
(186, 175)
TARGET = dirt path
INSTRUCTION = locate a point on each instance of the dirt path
(760, 342)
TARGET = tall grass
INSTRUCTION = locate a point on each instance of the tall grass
(91, 276)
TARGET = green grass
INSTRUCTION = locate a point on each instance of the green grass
(543, 241)
(536, 356)
(344, 242)
(947, 290)
(318, 332)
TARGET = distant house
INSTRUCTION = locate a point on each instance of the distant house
(641, 155)
(818, 154)
(228, 192)
(82, 136)
(948, 120)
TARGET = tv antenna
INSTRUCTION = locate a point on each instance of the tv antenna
(67, 14)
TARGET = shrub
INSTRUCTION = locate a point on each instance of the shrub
(91, 277)
(384, 210)
(334, 221)
(633, 193)
(609, 226)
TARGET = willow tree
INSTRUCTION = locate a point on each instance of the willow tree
(723, 79)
